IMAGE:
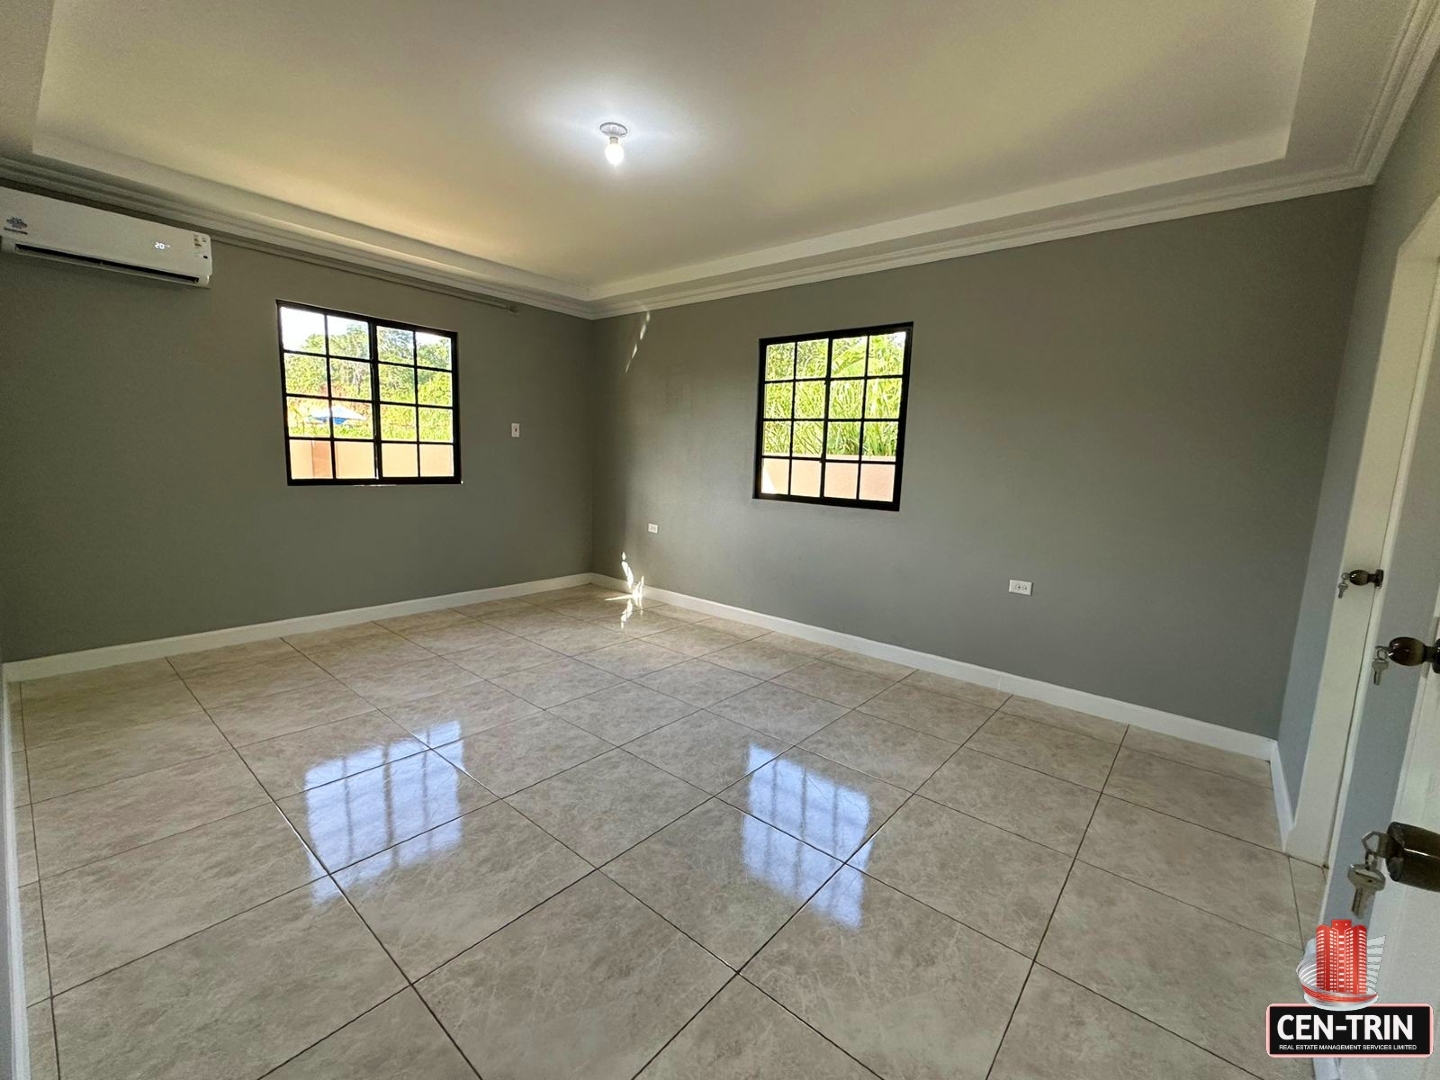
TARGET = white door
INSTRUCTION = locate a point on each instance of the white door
(1408, 918)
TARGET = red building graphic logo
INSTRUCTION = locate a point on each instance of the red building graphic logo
(1341, 973)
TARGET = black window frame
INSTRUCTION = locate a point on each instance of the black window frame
(374, 322)
(830, 335)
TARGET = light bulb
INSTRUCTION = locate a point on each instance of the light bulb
(614, 152)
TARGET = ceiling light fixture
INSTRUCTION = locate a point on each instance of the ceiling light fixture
(614, 152)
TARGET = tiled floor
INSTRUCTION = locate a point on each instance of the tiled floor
(525, 840)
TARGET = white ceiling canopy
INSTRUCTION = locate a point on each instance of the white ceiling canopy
(768, 143)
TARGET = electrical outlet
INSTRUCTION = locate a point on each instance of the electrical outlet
(1021, 587)
(654, 528)
(514, 431)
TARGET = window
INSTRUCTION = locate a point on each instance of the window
(367, 402)
(831, 427)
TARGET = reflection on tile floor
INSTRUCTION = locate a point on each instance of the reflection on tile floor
(532, 838)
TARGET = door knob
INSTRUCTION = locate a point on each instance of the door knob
(1361, 577)
(1412, 856)
(1412, 652)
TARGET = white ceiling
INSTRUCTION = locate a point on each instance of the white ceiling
(770, 142)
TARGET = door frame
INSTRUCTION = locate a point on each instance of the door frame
(1410, 325)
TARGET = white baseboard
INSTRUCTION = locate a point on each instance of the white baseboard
(1284, 808)
(1183, 727)
(111, 655)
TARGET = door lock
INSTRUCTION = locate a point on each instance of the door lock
(1411, 856)
(1407, 652)
(1360, 577)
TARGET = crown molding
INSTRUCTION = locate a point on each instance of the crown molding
(285, 236)
(1056, 227)
(1414, 53)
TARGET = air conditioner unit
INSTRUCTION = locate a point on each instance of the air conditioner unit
(44, 228)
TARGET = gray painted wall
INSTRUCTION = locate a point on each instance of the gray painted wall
(142, 469)
(1135, 420)
(1408, 184)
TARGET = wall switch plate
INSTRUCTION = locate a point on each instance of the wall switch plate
(654, 528)
(1021, 587)
(514, 431)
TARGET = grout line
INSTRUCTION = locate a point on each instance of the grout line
(820, 1034)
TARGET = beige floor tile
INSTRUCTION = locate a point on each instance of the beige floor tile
(433, 896)
(422, 620)
(743, 1035)
(1046, 748)
(409, 682)
(779, 711)
(595, 608)
(354, 818)
(758, 659)
(58, 768)
(455, 637)
(21, 775)
(1239, 881)
(638, 623)
(581, 637)
(692, 640)
(623, 712)
(967, 691)
(95, 824)
(41, 1025)
(101, 680)
(1164, 959)
(707, 750)
(1309, 885)
(398, 1040)
(790, 643)
(32, 933)
(898, 755)
(452, 714)
(991, 880)
(886, 669)
(607, 805)
(523, 752)
(725, 878)
(237, 999)
(572, 594)
(818, 800)
(740, 631)
(1097, 727)
(93, 715)
(369, 659)
(1035, 805)
(256, 679)
(110, 912)
(556, 683)
(632, 658)
(1255, 770)
(534, 621)
(935, 714)
(590, 984)
(1222, 803)
(1061, 1031)
(486, 608)
(270, 715)
(842, 685)
(699, 682)
(503, 657)
(315, 756)
(673, 611)
(884, 977)
(25, 845)
(210, 661)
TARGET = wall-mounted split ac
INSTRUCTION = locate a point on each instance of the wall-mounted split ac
(43, 228)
